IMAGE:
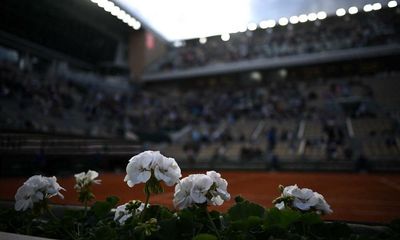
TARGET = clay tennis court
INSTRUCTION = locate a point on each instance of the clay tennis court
(353, 197)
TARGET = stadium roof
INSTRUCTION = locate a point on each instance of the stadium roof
(187, 19)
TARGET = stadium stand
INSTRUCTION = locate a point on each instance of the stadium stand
(338, 115)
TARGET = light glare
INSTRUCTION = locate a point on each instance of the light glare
(367, 8)
(312, 17)
(293, 19)
(303, 18)
(353, 10)
(321, 15)
(203, 40)
(392, 4)
(225, 37)
(340, 12)
(376, 6)
(252, 26)
(283, 21)
(114, 10)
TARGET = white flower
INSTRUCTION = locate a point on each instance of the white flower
(83, 179)
(304, 199)
(322, 205)
(280, 205)
(201, 185)
(141, 166)
(53, 188)
(201, 188)
(25, 197)
(182, 198)
(35, 189)
(138, 169)
(167, 170)
(220, 194)
(122, 214)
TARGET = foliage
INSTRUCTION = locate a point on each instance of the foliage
(244, 220)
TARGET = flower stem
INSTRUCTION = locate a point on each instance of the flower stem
(213, 224)
(146, 203)
(85, 209)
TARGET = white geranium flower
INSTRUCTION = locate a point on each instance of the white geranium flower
(201, 185)
(322, 205)
(35, 189)
(182, 198)
(53, 188)
(83, 179)
(167, 170)
(201, 188)
(25, 197)
(304, 199)
(139, 167)
(280, 205)
(220, 194)
(37, 182)
(122, 214)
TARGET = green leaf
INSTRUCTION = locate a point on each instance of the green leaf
(204, 236)
(168, 229)
(105, 232)
(310, 218)
(244, 209)
(101, 209)
(281, 218)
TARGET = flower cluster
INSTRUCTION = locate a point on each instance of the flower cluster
(36, 189)
(152, 164)
(86, 179)
(83, 183)
(125, 211)
(195, 192)
(303, 199)
(207, 188)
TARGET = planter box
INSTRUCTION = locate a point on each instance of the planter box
(13, 236)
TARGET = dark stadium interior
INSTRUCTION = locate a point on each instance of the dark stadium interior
(80, 89)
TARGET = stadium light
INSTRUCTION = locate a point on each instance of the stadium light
(353, 10)
(283, 21)
(312, 17)
(367, 8)
(202, 40)
(340, 12)
(267, 24)
(392, 4)
(321, 15)
(108, 6)
(114, 10)
(252, 26)
(137, 25)
(243, 29)
(178, 44)
(263, 24)
(294, 19)
(225, 37)
(376, 6)
(303, 18)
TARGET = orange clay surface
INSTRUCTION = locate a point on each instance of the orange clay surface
(353, 197)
